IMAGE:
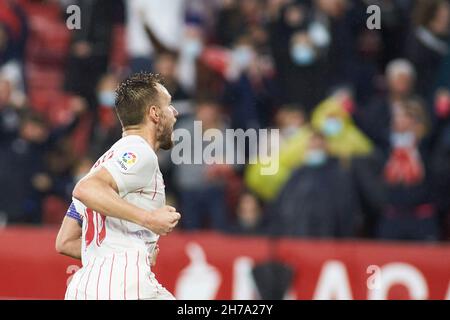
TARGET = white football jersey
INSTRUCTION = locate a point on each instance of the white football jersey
(134, 166)
(116, 254)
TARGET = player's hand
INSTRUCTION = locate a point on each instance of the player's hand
(162, 221)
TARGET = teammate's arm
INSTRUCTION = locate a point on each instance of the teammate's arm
(99, 192)
(68, 241)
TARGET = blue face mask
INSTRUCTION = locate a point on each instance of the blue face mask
(319, 35)
(242, 56)
(192, 48)
(315, 158)
(106, 98)
(303, 55)
(332, 127)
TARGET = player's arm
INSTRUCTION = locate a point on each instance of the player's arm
(99, 192)
(68, 241)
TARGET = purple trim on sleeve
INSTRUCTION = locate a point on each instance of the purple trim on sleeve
(72, 213)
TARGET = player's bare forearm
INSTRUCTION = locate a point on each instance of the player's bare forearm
(68, 240)
(72, 249)
(99, 193)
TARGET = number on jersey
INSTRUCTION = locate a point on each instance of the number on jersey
(96, 227)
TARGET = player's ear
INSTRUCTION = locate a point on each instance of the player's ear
(153, 114)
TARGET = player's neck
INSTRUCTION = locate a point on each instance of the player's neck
(144, 133)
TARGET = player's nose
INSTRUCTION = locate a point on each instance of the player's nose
(174, 111)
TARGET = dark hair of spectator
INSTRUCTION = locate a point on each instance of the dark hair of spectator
(425, 11)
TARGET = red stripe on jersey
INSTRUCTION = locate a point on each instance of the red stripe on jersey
(110, 275)
(125, 278)
(99, 273)
(156, 185)
(101, 233)
(90, 228)
(87, 281)
(81, 279)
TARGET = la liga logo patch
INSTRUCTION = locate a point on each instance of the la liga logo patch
(127, 160)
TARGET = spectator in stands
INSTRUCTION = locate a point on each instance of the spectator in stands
(166, 66)
(13, 37)
(58, 163)
(428, 44)
(411, 203)
(318, 200)
(250, 91)
(441, 170)
(314, 50)
(344, 139)
(23, 169)
(13, 32)
(289, 118)
(152, 27)
(192, 46)
(331, 33)
(295, 57)
(407, 201)
(108, 129)
(294, 136)
(389, 40)
(9, 111)
(201, 187)
(249, 218)
(12, 73)
(235, 18)
(90, 47)
(375, 118)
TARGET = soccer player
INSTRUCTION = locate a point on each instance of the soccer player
(122, 200)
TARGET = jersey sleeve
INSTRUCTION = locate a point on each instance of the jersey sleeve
(132, 168)
(73, 213)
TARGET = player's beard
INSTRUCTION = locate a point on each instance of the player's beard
(165, 136)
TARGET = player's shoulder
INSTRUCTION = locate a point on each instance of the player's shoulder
(133, 150)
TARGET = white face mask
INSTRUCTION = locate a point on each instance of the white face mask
(403, 139)
(332, 127)
(106, 98)
(315, 157)
(289, 131)
(192, 48)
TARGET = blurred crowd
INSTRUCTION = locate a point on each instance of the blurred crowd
(363, 115)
